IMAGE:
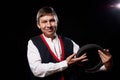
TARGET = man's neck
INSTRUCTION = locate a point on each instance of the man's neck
(52, 36)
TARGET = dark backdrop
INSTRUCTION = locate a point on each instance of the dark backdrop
(86, 21)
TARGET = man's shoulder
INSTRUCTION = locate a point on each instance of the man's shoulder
(36, 36)
(66, 38)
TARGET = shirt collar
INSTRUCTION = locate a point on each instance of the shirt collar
(49, 39)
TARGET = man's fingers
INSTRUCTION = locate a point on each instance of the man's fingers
(71, 56)
(84, 60)
(81, 57)
(104, 52)
(102, 55)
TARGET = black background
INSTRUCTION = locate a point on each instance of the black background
(87, 21)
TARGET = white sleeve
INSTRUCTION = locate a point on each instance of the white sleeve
(75, 47)
(42, 69)
(102, 68)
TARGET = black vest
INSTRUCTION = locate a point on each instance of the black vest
(71, 73)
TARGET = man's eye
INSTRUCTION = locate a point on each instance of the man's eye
(52, 20)
(44, 21)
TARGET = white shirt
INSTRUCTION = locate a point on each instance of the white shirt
(44, 69)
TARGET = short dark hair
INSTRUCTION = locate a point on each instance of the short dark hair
(45, 11)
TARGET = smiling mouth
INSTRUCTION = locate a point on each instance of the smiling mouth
(50, 30)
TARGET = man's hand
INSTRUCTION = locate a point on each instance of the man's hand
(72, 59)
(106, 58)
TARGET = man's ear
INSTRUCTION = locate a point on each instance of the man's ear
(38, 25)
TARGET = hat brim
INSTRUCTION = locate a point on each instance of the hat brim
(94, 61)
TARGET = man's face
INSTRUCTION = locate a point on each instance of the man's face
(48, 25)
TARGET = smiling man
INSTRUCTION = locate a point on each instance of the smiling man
(52, 56)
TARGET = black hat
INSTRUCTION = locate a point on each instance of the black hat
(94, 61)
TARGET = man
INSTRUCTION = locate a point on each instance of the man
(51, 56)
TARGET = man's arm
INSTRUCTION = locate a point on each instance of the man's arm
(42, 69)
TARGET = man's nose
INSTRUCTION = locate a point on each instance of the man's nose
(49, 24)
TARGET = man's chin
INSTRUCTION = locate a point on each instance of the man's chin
(50, 34)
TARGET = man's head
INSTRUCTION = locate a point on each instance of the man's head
(45, 11)
(47, 21)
